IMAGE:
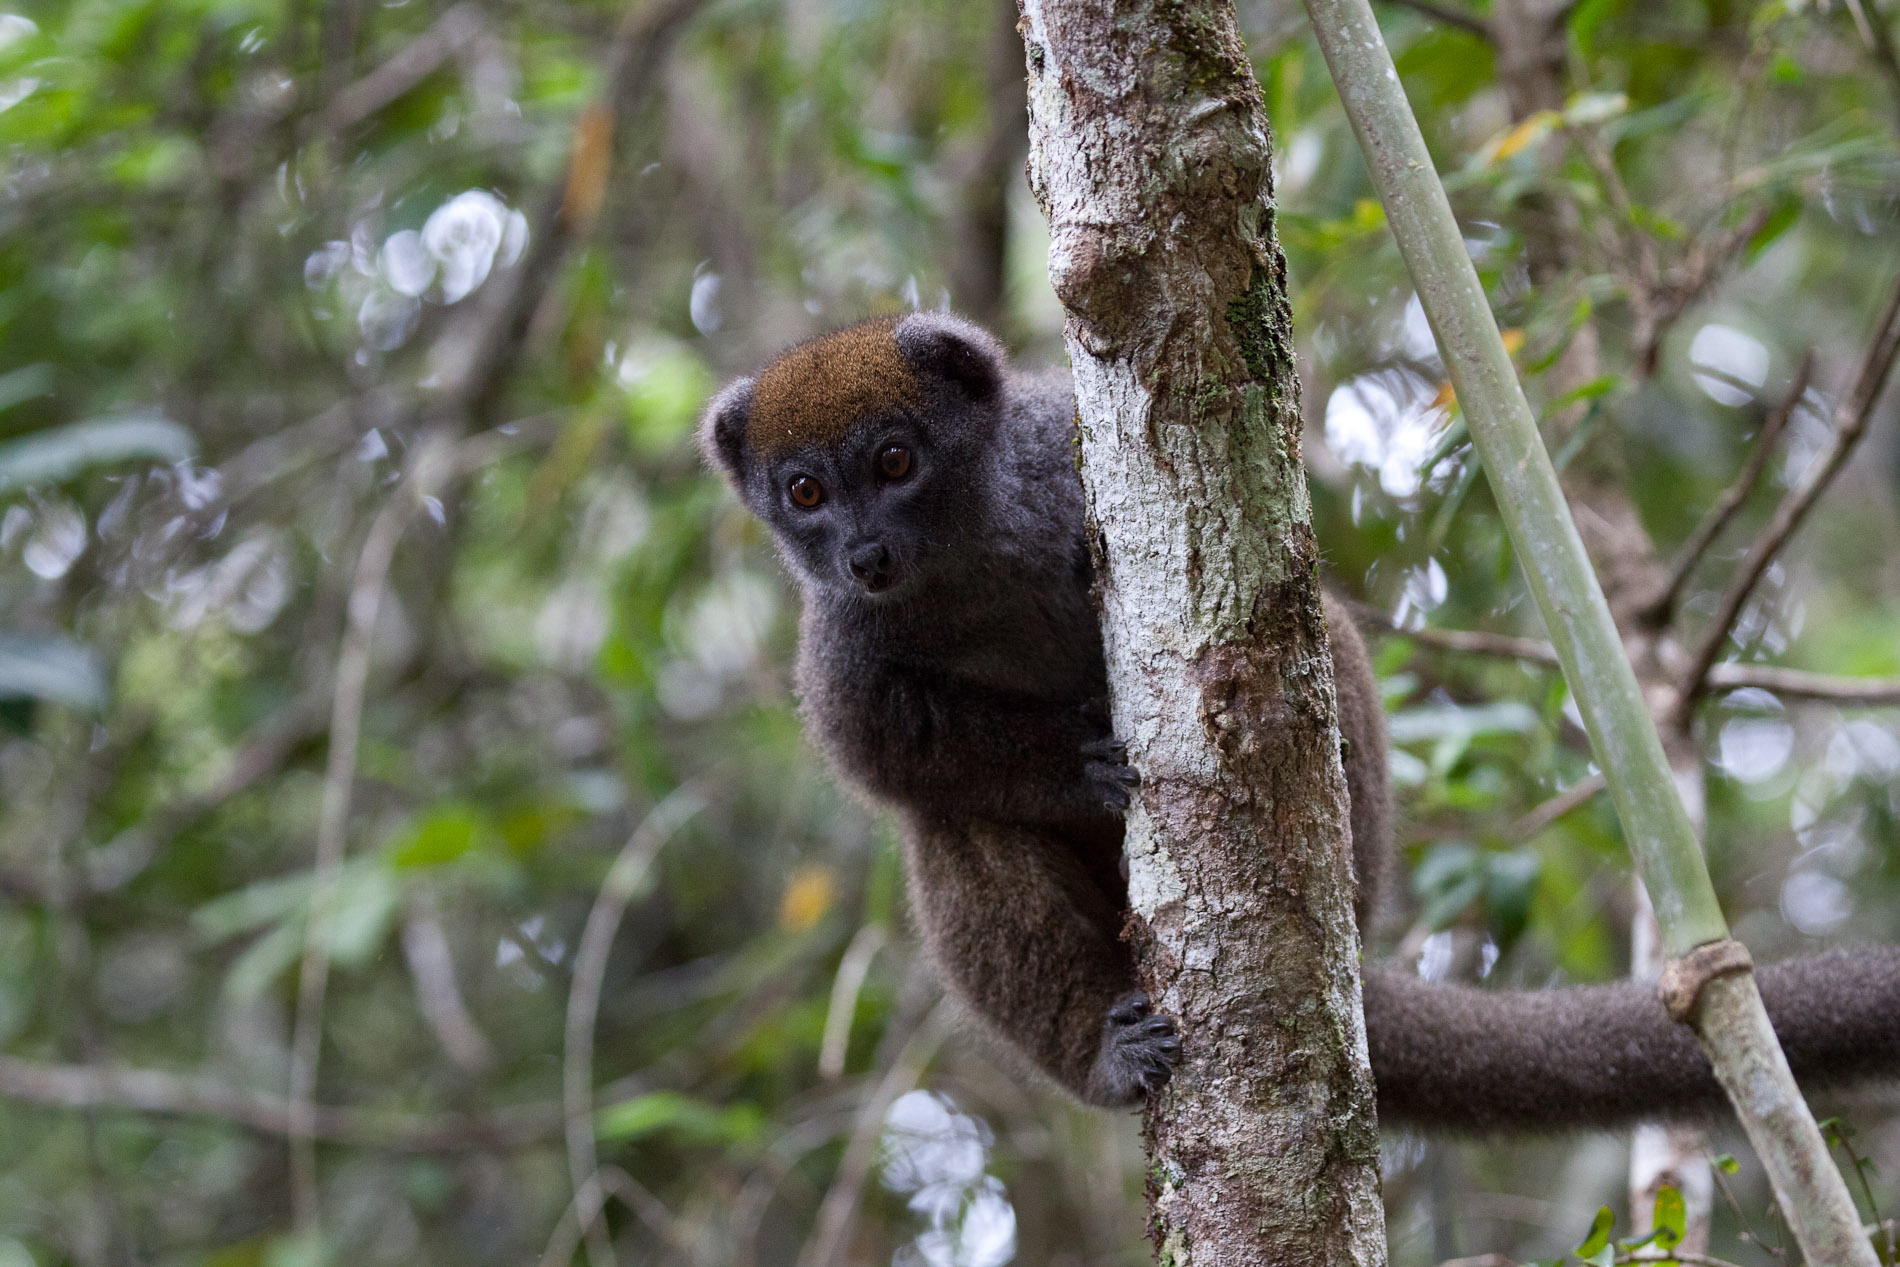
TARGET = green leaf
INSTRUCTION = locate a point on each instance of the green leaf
(1671, 1217)
(57, 670)
(47, 457)
(1727, 1164)
(1779, 221)
(1599, 1238)
(667, 1111)
(441, 836)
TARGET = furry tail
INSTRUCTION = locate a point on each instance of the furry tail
(1453, 1057)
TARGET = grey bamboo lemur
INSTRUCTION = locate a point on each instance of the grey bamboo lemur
(950, 662)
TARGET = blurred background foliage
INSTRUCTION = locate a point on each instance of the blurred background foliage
(349, 355)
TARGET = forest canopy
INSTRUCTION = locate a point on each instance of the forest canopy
(385, 688)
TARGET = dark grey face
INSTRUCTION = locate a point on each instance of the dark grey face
(880, 510)
(869, 516)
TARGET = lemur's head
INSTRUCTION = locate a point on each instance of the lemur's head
(860, 448)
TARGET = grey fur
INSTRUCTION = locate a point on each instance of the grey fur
(960, 681)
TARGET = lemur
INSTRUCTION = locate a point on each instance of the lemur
(926, 501)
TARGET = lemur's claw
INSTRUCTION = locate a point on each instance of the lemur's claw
(1140, 1048)
(1110, 775)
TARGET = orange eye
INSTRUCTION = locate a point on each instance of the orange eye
(806, 491)
(894, 462)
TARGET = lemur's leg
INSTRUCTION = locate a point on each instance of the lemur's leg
(1026, 926)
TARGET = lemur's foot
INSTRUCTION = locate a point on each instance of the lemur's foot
(1111, 778)
(1140, 1048)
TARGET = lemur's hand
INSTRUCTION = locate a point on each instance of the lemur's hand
(1140, 1048)
(1110, 776)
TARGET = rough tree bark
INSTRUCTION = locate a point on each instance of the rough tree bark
(1149, 154)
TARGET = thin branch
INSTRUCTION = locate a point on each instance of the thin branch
(425, 945)
(624, 880)
(1796, 683)
(839, 1210)
(845, 987)
(581, 1219)
(1471, 641)
(1875, 33)
(1827, 687)
(1851, 422)
(1633, 237)
(194, 1095)
(777, 1165)
(478, 359)
(445, 39)
(1556, 807)
(427, 472)
(1703, 266)
(1447, 17)
(1659, 610)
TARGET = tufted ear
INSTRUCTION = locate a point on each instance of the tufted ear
(953, 350)
(722, 430)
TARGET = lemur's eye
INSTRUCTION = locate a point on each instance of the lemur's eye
(894, 462)
(806, 491)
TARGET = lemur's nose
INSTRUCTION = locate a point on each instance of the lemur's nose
(871, 564)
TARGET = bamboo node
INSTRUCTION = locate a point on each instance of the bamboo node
(1683, 979)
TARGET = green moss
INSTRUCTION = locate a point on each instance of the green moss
(1261, 323)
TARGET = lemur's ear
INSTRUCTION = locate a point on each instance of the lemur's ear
(722, 429)
(954, 350)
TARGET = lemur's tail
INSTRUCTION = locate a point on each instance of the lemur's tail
(1458, 1058)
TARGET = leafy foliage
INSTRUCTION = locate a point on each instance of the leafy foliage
(245, 247)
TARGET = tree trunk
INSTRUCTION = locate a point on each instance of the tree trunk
(1149, 154)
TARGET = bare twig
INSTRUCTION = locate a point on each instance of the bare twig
(428, 469)
(838, 1211)
(73, 1086)
(582, 1216)
(1556, 807)
(852, 967)
(1700, 270)
(479, 358)
(1659, 610)
(1875, 33)
(1639, 241)
(479, 361)
(1475, 642)
(1798, 683)
(1851, 422)
(1827, 687)
(431, 965)
(445, 39)
(623, 882)
(1447, 17)
(777, 1165)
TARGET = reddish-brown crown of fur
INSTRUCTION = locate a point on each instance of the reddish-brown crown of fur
(815, 392)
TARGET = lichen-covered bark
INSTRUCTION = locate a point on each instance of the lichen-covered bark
(1149, 154)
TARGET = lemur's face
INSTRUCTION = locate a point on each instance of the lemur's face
(867, 514)
(859, 450)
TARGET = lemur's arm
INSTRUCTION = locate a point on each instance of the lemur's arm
(952, 750)
(1028, 932)
(1458, 1058)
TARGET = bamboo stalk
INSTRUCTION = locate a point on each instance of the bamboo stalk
(1727, 1014)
